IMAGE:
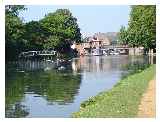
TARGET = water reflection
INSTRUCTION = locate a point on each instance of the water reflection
(48, 89)
(52, 85)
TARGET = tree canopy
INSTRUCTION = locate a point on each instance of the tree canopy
(13, 31)
(34, 35)
(63, 29)
(141, 30)
(123, 36)
(57, 30)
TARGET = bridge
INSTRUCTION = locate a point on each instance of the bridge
(122, 49)
(37, 53)
(116, 47)
(84, 48)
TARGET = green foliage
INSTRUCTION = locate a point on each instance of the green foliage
(123, 36)
(53, 41)
(57, 31)
(34, 35)
(13, 10)
(141, 29)
(13, 31)
(122, 100)
(63, 29)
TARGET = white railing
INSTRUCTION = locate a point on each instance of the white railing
(36, 53)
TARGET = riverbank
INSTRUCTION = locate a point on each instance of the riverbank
(147, 107)
(122, 100)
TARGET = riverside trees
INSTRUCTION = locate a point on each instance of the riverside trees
(13, 31)
(63, 29)
(57, 30)
(35, 35)
(141, 30)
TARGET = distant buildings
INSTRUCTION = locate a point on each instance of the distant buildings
(105, 44)
(97, 41)
(103, 37)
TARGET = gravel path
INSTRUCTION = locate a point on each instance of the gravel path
(147, 107)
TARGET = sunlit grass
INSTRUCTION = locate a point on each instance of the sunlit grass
(122, 100)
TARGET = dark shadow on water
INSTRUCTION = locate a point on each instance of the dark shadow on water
(55, 86)
(59, 82)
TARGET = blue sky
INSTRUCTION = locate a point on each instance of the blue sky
(91, 19)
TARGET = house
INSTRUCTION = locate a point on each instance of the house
(103, 38)
(97, 41)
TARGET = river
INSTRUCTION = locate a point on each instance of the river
(37, 88)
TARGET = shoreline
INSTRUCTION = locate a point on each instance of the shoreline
(121, 101)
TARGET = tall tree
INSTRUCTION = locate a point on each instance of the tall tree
(143, 25)
(63, 29)
(35, 35)
(122, 36)
(141, 29)
(13, 31)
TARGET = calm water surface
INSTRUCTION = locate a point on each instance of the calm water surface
(45, 89)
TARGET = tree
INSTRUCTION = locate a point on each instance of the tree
(122, 36)
(34, 35)
(57, 30)
(63, 29)
(143, 25)
(13, 31)
(141, 29)
(14, 10)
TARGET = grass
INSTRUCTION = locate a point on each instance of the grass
(121, 101)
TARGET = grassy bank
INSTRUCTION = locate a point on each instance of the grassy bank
(122, 100)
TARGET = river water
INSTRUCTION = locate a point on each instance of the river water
(45, 89)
